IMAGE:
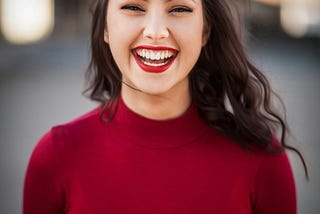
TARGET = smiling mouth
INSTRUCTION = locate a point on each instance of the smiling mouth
(155, 59)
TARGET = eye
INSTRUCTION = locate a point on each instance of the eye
(180, 9)
(133, 8)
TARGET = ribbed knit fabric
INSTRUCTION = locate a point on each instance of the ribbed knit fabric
(134, 165)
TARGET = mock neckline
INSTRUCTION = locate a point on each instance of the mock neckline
(159, 134)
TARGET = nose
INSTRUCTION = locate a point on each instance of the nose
(155, 27)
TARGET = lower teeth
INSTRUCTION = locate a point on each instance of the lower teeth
(154, 65)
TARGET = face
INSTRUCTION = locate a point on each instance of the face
(155, 43)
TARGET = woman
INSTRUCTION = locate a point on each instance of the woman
(185, 125)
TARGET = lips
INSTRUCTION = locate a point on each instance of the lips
(154, 59)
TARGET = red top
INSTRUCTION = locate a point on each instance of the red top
(134, 165)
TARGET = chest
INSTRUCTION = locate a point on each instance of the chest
(144, 182)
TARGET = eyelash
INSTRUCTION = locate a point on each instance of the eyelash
(136, 8)
(180, 10)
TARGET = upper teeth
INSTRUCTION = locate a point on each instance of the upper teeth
(155, 55)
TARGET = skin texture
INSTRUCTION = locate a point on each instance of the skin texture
(176, 24)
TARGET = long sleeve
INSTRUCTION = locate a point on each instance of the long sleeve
(42, 189)
(136, 165)
(275, 187)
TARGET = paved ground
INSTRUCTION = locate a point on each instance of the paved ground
(41, 86)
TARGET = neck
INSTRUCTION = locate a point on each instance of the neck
(158, 107)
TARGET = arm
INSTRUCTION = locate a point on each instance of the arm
(43, 192)
(274, 186)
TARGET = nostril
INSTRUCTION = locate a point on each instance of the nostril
(156, 34)
(156, 30)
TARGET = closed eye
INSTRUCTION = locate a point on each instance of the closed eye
(134, 8)
(180, 10)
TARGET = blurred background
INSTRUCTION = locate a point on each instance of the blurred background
(44, 52)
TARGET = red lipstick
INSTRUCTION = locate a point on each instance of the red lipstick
(145, 58)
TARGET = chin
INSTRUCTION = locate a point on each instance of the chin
(154, 91)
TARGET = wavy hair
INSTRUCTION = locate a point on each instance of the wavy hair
(230, 93)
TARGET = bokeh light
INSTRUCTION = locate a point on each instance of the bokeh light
(299, 18)
(26, 21)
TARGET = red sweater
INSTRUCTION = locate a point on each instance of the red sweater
(134, 165)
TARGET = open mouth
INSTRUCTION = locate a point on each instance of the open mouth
(155, 59)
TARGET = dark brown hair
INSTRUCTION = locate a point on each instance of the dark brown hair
(230, 93)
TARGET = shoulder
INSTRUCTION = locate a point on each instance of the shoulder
(80, 128)
(258, 162)
(53, 159)
(273, 187)
(273, 155)
(61, 138)
(91, 117)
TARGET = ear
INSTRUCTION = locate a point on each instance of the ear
(206, 34)
(106, 36)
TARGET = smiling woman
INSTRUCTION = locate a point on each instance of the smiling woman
(155, 28)
(185, 123)
(26, 21)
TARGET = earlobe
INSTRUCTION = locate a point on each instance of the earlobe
(106, 36)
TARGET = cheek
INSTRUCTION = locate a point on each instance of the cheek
(121, 28)
(122, 33)
(188, 33)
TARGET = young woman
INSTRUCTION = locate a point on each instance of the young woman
(185, 126)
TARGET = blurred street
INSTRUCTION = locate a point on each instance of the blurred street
(41, 86)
